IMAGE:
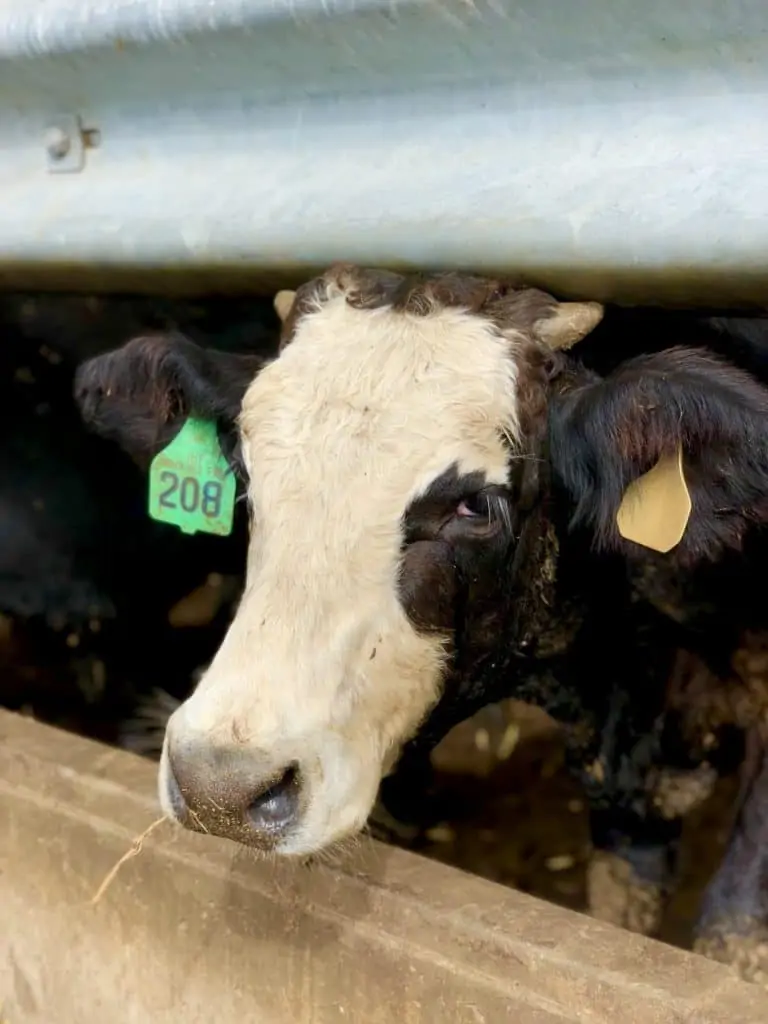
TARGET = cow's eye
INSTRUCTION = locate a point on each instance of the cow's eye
(474, 506)
(484, 513)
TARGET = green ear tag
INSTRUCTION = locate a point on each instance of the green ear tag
(191, 484)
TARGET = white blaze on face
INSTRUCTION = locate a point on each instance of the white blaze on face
(321, 667)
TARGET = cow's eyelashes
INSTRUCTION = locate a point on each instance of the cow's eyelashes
(485, 510)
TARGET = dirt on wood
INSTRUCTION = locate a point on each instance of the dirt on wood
(521, 820)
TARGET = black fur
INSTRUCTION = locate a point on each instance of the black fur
(140, 394)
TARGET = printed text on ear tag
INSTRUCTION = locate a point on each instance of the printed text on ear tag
(656, 507)
(191, 484)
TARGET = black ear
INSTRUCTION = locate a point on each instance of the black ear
(138, 395)
(607, 433)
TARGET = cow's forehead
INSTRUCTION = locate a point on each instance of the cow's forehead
(382, 400)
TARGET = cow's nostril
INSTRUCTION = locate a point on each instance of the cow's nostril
(226, 792)
(275, 808)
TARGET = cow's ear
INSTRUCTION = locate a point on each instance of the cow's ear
(678, 441)
(139, 394)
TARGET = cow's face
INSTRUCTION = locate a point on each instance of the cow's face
(379, 449)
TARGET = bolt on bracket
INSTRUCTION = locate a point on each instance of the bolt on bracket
(64, 145)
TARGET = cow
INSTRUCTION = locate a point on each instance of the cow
(433, 482)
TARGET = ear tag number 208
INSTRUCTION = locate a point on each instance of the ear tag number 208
(191, 484)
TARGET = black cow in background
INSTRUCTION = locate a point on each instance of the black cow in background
(87, 579)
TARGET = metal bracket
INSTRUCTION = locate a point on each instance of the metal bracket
(64, 145)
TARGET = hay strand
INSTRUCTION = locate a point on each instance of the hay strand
(134, 851)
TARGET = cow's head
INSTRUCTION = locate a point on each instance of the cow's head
(389, 450)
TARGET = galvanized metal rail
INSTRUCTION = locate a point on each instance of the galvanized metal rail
(602, 147)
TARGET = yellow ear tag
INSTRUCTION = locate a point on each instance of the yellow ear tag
(656, 507)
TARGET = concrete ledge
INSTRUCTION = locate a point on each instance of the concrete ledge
(194, 930)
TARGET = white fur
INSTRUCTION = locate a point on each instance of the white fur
(321, 666)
